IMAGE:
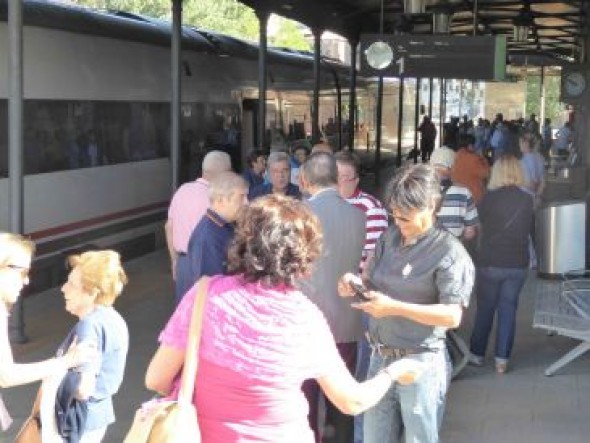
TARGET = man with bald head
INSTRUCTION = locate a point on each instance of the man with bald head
(189, 204)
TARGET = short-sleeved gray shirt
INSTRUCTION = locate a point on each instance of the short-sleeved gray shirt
(435, 269)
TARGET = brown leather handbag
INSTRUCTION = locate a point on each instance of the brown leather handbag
(168, 420)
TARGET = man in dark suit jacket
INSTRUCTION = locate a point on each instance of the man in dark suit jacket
(343, 228)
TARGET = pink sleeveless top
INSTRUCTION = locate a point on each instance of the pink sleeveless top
(258, 345)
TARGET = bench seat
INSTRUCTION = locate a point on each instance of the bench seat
(563, 307)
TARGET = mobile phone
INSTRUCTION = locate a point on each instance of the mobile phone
(359, 290)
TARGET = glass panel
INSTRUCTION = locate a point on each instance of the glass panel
(61, 135)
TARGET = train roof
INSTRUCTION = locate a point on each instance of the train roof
(139, 28)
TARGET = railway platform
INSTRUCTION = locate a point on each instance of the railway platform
(483, 407)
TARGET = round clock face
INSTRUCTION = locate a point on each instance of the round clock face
(379, 55)
(575, 84)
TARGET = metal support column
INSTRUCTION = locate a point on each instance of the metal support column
(542, 101)
(176, 92)
(400, 120)
(339, 110)
(475, 17)
(262, 74)
(441, 111)
(352, 98)
(315, 121)
(430, 93)
(461, 91)
(416, 117)
(15, 146)
(378, 124)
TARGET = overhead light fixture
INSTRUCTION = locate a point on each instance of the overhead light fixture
(414, 6)
(441, 19)
(521, 33)
(523, 23)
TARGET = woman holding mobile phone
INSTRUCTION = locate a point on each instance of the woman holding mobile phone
(420, 279)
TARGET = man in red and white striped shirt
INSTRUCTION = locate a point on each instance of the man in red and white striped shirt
(348, 181)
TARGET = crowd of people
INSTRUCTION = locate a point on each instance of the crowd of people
(493, 138)
(315, 288)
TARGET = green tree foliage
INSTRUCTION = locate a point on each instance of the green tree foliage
(289, 35)
(553, 107)
(226, 16)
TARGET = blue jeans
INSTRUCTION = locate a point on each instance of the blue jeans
(363, 358)
(497, 291)
(415, 409)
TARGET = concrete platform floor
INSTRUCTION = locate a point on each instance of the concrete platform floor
(522, 405)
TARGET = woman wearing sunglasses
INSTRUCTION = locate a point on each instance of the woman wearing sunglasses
(15, 262)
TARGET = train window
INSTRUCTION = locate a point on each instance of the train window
(207, 127)
(61, 135)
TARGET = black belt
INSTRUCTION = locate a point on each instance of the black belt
(181, 254)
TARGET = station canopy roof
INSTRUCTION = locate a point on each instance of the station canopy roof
(556, 29)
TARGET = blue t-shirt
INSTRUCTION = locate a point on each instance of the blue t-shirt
(252, 178)
(206, 253)
(265, 189)
(105, 327)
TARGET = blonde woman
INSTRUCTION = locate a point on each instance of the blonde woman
(16, 253)
(94, 283)
(506, 214)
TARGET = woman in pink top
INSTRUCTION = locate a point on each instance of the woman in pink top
(262, 337)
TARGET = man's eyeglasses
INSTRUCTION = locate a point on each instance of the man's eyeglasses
(24, 271)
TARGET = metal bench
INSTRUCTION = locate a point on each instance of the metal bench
(563, 307)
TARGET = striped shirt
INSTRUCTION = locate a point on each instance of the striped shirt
(376, 220)
(457, 210)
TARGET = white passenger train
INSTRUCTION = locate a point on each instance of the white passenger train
(97, 122)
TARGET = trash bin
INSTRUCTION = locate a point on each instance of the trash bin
(561, 238)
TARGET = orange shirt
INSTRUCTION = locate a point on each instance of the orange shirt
(470, 170)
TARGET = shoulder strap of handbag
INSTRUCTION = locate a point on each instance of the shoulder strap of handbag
(506, 225)
(189, 370)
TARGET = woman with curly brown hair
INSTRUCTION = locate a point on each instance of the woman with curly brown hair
(262, 337)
